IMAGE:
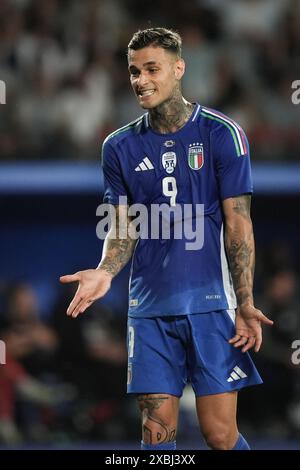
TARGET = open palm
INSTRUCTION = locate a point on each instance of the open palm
(248, 328)
(92, 285)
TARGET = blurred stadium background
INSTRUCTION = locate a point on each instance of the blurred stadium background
(63, 62)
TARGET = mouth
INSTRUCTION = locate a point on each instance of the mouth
(145, 93)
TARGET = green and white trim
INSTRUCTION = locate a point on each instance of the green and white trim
(235, 130)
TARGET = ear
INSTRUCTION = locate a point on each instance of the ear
(179, 68)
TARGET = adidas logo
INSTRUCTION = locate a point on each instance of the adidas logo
(144, 165)
(236, 374)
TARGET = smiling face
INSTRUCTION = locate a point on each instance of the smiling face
(154, 75)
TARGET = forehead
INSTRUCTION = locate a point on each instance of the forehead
(150, 54)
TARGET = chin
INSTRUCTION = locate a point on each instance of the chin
(149, 105)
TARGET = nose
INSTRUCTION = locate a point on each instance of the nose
(142, 79)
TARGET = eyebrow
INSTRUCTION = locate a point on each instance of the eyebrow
(150, 62)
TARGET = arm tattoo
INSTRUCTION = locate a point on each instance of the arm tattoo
(118, 254)
(117, 250)
(240, 250)
(241, 206)
(241, 267)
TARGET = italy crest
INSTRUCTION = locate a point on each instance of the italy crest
(196, 156)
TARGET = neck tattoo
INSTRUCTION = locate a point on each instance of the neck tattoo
(171, 115)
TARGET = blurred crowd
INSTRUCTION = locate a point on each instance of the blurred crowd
(64, 65)
(64, 381)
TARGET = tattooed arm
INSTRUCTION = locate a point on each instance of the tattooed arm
(118, 246)
(95, 283)
(239, 241)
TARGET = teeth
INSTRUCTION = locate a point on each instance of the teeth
(146, 93)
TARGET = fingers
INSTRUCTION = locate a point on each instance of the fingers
(241, 342)
(79, 303)
(246, 342)
(242, 333)
(234, 339)
(238, 341)
(70, 278)
(258, 341)
(92, 285)
(77, 299)
(79, 306)
(74, 305)
(249, 344)
(249, 331)
(265, 320)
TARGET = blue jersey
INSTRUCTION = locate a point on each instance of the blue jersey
(204, 162)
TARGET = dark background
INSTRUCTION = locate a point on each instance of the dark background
(67, 85)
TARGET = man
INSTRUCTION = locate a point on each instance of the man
(182, 301)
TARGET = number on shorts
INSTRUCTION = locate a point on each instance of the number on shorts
(130, 341)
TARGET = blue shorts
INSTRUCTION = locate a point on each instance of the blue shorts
(165, 353)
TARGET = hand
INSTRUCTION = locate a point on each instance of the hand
(248, 328)
(93, 284)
